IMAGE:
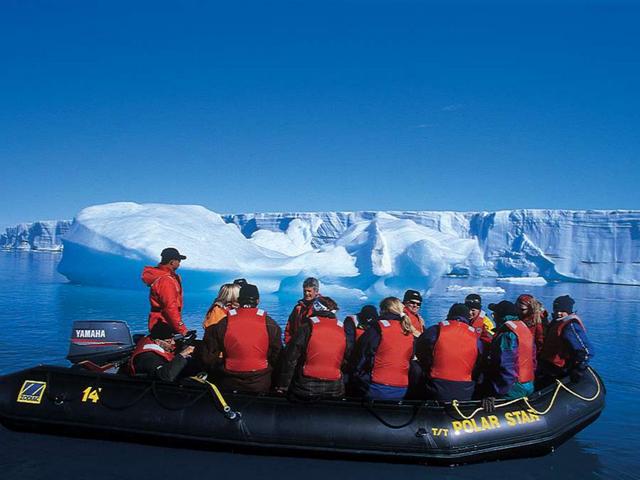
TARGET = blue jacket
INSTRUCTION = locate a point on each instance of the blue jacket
(502, 371)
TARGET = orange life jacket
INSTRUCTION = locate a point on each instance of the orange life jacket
(391, 362)
(246, 341)
(526, 342)
(554, 349)
(216, 314)
(455, 352)
(325, 350)
(146, 345)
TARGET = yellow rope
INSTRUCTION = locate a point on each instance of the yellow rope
(597, 394)
(216, 392)
(455, 404)
(559, 385)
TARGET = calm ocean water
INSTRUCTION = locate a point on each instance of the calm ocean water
(37, 308)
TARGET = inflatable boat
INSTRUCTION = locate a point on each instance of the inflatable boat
(88, 399)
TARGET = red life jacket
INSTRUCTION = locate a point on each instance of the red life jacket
(526, 342)
(536, 329)
(455, 352)
(555, 350)
(246, 341)
(325, 350)
(416, 321)
(146, 345)
(391, 362)
(481, 329)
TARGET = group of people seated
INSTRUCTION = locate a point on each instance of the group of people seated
(378, 354)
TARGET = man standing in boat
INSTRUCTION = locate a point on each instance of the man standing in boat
(303, 309)
(165, 291)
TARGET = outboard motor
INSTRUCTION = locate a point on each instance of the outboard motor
(100, 345)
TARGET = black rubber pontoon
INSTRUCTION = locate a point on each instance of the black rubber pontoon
(63, 400)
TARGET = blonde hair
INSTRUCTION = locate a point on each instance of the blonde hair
(227, 295)
(395, 306)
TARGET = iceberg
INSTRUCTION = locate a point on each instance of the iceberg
(466, 289)
(108, 245)
(362, 253)
(45, 235)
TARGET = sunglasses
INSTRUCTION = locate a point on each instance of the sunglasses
(413, 302)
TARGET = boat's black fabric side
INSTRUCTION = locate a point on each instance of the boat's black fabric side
(414, 431)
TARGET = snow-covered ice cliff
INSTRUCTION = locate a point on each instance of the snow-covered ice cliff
(43, 236)
(369, 252)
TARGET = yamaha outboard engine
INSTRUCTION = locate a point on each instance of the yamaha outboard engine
(100, 345)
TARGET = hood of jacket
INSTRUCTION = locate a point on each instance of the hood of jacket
(151, 274)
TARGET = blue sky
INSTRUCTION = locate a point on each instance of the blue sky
(291, 106)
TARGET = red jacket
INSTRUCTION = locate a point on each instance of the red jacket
(165, 297)
(416, 320)
(146, 345)
(299, 314)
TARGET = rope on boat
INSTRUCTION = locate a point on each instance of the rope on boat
(390, 425)
(174, 408)
(559, 386)
(228, 412)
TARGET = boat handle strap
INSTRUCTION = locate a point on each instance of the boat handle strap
(228, 412)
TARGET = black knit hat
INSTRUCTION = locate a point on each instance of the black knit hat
(458, 310)
(504, 308)
(161, 331)
(563, 304)
(412, 295)
(248, 294)
(368, 312)
(473, 300)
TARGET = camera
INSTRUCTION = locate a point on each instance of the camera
(186, 340)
